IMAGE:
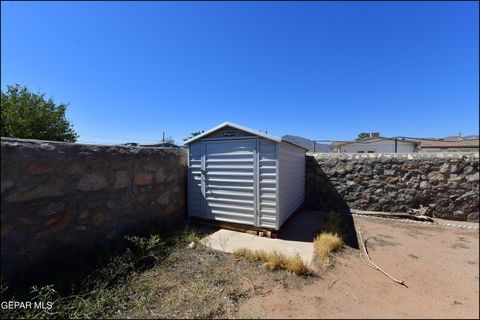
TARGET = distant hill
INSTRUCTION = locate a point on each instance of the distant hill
(308, 144)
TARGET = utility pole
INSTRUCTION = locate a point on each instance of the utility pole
(163, 137)
(396, 144)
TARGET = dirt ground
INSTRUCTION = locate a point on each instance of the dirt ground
(440, 266)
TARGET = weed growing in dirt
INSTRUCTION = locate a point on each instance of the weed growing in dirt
(325, 244)
(109, 290)
(158, 276)
(190, 236)
(275, 260)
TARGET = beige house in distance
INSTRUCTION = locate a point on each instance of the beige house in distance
(376, 144)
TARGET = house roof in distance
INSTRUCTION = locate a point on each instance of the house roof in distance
(337, 144)
(473, 143)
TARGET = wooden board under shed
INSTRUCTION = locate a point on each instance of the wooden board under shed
(235, 227)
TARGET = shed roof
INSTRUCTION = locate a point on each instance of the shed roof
(242, 128)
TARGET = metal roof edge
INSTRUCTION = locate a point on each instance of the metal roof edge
(295, 145)
(236, 126)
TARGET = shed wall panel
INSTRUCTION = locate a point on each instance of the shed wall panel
(267, 208)
(291, 180)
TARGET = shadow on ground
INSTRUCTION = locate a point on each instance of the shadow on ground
(322, 198)
(305, 224)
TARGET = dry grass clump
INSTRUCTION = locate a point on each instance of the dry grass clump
(251, 255)
(275, 260)
(325, 244)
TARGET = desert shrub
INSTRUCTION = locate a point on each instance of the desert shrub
(325, 244)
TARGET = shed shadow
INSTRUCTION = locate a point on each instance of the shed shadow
(322, 198)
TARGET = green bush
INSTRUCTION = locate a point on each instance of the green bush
(29, 115)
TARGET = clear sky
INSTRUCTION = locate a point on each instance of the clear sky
(321, 70)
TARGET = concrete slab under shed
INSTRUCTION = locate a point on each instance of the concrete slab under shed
(295, 237)
(229, 241)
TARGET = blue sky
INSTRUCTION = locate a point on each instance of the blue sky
(320, 70)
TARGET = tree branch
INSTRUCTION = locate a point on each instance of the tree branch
(377, 267)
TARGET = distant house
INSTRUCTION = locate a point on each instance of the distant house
(130, 144)
(376, 144)
(450, 145)
(162, 144)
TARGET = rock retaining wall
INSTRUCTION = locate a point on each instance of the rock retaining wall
(57, 197)
(446, 183)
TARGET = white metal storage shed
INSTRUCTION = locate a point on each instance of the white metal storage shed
(240, 175)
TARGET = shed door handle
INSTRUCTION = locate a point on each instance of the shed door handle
(203, 171)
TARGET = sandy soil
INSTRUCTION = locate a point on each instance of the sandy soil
(440, 266)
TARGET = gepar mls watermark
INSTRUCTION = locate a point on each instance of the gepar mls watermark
(12, 305)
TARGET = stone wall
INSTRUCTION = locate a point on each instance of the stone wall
(446, 183)
(61, 197)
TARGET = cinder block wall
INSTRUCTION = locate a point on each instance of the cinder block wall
(446, 183)
(62, 197)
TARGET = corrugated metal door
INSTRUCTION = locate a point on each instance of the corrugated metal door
(229, 184)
